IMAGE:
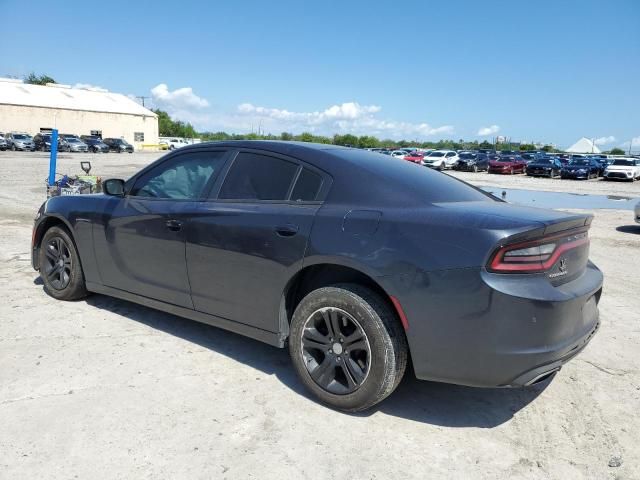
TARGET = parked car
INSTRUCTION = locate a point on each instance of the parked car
(637, 212)
(42, 142)
(398, 154)
(472, 162)
(174, 143)
(95, 144)
(580, 168)
(20, 141)
(3, 143)
(544, 167)
(440, 159)
(415, 157)
(75, 144)
(507, 164)
(322, 249)
(118, 145)
(623, 169)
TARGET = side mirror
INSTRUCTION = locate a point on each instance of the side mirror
(113, 186)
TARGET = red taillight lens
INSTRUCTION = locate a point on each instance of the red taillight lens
(537, 255)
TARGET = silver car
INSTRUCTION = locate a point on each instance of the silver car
(20, 141)
(3, 143)
(74, 144)
(637, 212)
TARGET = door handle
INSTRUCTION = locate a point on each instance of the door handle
(288, 230)
(174, 225)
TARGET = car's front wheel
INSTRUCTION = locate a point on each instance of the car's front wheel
(60, 267)
(347, 346)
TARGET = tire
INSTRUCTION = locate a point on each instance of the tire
(68, 283)
(360, 311)
(442, 167)
(475, 169)
(13, 148)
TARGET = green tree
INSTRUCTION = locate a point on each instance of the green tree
(485, 145)
(34, 79)
(616, 151)
(168, 127)
(548, 148)
(286, 136)
(527, 146)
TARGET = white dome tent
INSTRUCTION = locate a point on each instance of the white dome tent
(584, 145)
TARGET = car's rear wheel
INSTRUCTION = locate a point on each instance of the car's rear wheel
(60, 267)
(347, 346)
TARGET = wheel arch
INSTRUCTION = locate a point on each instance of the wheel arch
(320, 275)
(41, 228)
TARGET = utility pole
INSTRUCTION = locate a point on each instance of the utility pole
(142, 99)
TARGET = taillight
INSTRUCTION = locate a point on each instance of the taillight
(536, 255)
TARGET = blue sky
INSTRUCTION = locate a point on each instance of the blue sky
(549, 71)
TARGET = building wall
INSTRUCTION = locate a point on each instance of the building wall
(14, 118)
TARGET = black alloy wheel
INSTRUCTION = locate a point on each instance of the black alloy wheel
(58, 266)
(336, 350)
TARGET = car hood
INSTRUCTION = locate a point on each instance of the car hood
(577, 167)
(494, 163)
(541, 165)
(432, 159)
(620, 168)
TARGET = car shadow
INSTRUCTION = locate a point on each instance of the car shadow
(428, 402)
(629, 229)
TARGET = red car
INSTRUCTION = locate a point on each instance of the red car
(508, 164)
(415, 157)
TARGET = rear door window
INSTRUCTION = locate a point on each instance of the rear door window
(255, 176)
(307, 186)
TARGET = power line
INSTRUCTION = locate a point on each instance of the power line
(142, 98)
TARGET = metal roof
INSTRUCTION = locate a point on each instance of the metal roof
(14, 92)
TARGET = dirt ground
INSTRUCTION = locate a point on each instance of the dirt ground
(103, 388)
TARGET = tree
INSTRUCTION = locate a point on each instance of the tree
(286, 136)
(485, 145)
(616, 151)
(168, 127)
(34, 79)
(548, 148)
(527, 146)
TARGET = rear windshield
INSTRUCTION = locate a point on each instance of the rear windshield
(506, 159)
(406, 178)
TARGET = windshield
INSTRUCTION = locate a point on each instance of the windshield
(72, 140)
(626, 163)
(506, 159)
(20, 136)
(436, 154)
(580, 162)
(467, 156)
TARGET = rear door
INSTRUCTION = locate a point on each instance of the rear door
(140, 242)
(249, 239)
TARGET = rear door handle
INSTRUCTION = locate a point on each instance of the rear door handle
(174, 225)
(288, 230)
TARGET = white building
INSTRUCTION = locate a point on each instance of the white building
(32, 108)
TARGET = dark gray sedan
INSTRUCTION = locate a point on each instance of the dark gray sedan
(355, 261)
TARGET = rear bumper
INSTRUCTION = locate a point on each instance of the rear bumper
(472, 327)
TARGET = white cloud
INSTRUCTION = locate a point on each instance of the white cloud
(349, 117)
(635, 144)
(180, 99)
(486, 131)
(604, 140)
(88, 86)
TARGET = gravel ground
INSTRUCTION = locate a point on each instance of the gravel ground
(103, 388)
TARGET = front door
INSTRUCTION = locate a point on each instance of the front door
(142, 236)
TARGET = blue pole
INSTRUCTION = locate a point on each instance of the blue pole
(53, 157)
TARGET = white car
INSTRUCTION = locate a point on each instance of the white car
(441, 159)
(174, 143)
(623, 169)
(399, 154)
